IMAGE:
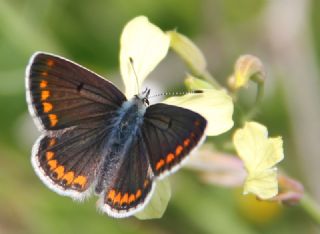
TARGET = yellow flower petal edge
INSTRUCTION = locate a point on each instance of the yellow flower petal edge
(188, 51)
(194, 83)
(158, 203)
(259, 154)
(147, 45)
(214, 105)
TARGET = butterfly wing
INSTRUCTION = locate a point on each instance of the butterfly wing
(170, 133)
(67, 161)
(74, 108)
(62, 94)
(131, 188)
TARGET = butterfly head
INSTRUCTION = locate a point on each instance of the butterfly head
(143, 97)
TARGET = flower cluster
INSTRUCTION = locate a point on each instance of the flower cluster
(146, 44)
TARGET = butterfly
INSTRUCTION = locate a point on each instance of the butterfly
(94, 140)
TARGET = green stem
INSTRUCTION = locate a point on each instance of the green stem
(310, 207)
(255, 108)
(208, 77)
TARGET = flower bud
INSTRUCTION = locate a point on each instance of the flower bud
(247, 67)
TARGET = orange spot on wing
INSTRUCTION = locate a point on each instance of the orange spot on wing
(170, 157)
(52, 164)
(80, 180)
(43, 84)
(179, 150)
(44, 73)
(47, 107)
(53, 120)
(145, 183)
(111, 194)
(44, 95)
(50, 63)
(49, 155)
(69, 177)
(60, 171)
(186, 142)
(138, 193)
(132, 198)
(197, 123)
(52, 142)
(124, 199)
(117, 198)
(160, 164)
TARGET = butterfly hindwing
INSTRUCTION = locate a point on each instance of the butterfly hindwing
(170, 133)
(62, 94)
(130, 189)
(67, 161)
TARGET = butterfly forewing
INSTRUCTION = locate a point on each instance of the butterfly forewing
(170, 133)
(75, 109)
(62, 94)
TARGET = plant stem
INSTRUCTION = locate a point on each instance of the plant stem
(208, 77)
(310, 207)
(255, 108)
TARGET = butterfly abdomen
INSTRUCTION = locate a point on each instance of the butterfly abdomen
(127, 123)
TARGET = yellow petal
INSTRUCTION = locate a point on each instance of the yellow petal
(147, 45)
(188, 51)
(158, 203)
(264, 184)
(259, 154)
(214, 105)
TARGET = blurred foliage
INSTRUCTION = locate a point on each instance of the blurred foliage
(88, 32)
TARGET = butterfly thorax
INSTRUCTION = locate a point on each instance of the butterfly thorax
(128, 120)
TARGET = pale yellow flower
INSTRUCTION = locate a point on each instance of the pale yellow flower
(146, 45)
(260, 154)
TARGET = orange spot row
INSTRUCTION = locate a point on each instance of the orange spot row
(69, 177)
(197, 123)
(186, 142)
(43, 84)
(50, 63)
(115, 197)
(145, 183)
(49, 155)
(160, 164)
(170, 156)
(47, 107)
(52, 142)
(60, 171)
(53, 120)
(179, 149)
(44, 95)
(80, 180)
(52, 164)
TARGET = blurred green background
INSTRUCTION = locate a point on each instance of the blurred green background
(284, 34)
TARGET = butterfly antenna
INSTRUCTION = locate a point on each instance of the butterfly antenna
(177, 93)
(134, 72)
